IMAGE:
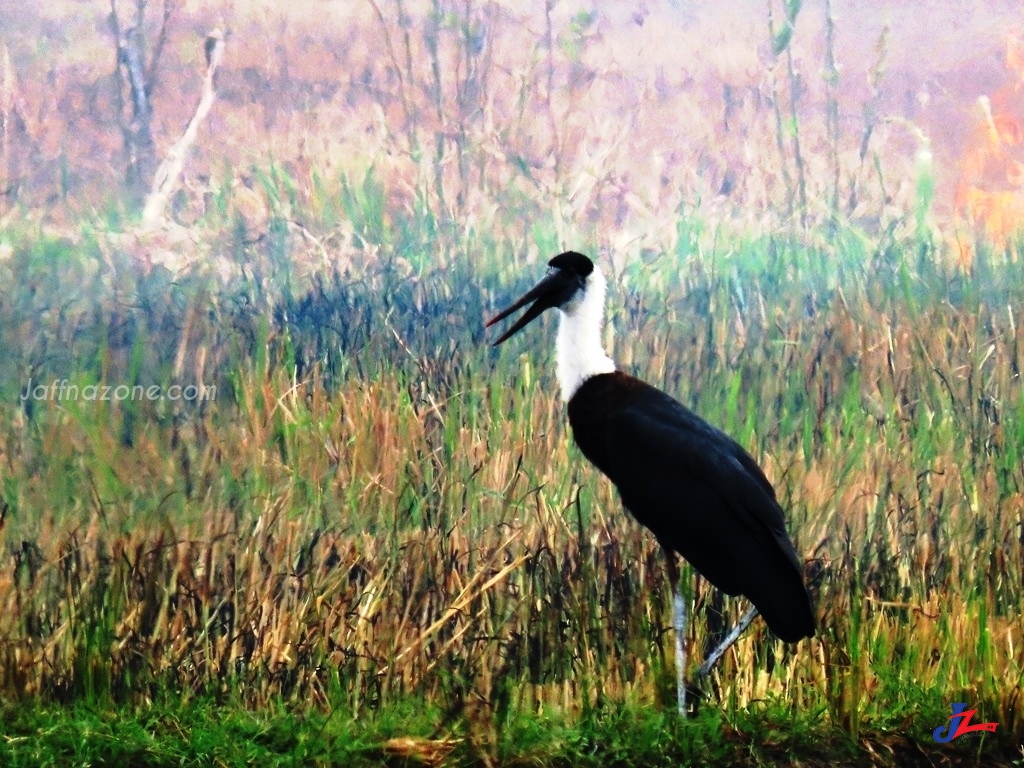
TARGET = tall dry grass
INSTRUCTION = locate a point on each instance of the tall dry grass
(386, 509)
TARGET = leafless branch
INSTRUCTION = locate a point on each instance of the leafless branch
(168, 175)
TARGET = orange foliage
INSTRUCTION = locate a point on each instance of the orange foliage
(990, 190)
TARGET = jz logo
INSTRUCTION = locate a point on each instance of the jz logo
(959, 724)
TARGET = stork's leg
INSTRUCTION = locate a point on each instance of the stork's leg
(732, 637)
(679, 624)
(679, 619)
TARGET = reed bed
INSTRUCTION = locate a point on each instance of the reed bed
(377, 507)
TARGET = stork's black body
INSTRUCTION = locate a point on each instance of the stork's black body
(698, 492)
(693, 486)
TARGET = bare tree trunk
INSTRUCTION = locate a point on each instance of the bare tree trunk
(134, 90)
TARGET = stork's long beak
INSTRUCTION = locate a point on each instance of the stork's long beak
(548, 293)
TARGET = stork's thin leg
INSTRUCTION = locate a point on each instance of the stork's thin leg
(732, 637)
(679, 619)
(679, 624)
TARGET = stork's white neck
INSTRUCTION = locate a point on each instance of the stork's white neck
(578, 346)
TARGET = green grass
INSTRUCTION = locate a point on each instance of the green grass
(204, 733)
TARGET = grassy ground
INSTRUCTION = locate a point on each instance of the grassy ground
(379, 530)
(205, 734)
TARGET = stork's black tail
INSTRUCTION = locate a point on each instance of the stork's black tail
(782, 599)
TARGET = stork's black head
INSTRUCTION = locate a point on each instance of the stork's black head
(567, 275)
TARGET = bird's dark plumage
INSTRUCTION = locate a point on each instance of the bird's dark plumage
(698, 492)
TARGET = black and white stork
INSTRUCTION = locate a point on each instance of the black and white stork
(693, 486)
